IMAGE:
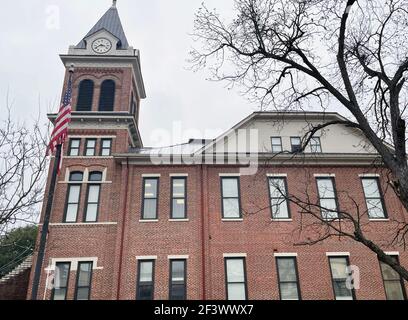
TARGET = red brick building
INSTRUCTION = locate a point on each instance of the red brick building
(195, 221)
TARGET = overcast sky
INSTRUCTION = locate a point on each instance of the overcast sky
(31, 41)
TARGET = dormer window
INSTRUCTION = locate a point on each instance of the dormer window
(85, 95)
(107, 98)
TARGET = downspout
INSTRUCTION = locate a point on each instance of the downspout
(203, 262)
(122, 240)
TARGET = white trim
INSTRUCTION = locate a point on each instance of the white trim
(83, 224)
(148, 221)
(230, 174)
(179, 220)
(369, 175)
(285, 254)
(281, 220)
(378, 220)
(85, 182)
(233, 220)
(88, 157)
(91, 137)
(283, 175)
(234, 255)
(392, 253)
(74, 263)
(175, 257)
(335, 254)
(151, 175)
(178, 175)
(146, 257)
(323, 175)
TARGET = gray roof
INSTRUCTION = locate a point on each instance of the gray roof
(110, 22)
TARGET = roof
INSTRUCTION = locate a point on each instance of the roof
(110, 22)
(185, 148)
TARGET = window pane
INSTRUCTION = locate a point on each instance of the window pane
(289, 291)
(95, 176)
(74, 192)
(341, 290)
(371, 188)
(295, 141)
(329, 208)
(82, 294)
(177, 292)
(375, 208)
(339, 268)
(277, 187)
(151, 188)
(76, 176)
(90, 152)
(75, 143)
(92, 212)
(60, 294)
(326, 188)
(84, 278)
(177, 270)
(315, 145)
(236, 291)
(74, 152)
(93, 195)
(91, 143)
(179, 188)
(394, 290)
(235, 270)
(389, 273)
(106, 152)
(145, 292)
(279, 208)
(149, 210)
(61, 275)
(106, 144)
(178, 208)
(230, 188)
(146, 271)
(287, 270)
(71, 215)
(231, 208)
(276, 141)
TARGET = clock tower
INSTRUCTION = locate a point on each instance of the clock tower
(107, 88)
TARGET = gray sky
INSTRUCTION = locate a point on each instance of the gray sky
(31, 70)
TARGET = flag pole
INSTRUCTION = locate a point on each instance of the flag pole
(44, 230)
(46, 222)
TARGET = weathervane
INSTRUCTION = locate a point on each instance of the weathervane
(114, 3)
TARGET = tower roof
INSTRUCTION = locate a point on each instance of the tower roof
(110, 22)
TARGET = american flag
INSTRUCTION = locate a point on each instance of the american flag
(60, 131)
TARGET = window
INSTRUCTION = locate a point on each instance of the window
(85, 95)
(150, 197)
(178, 280)
(374, 199)
(393, 283)
(235, 279)
(327, 198)
(231, 207)
(276, 144)
(74, 145)
(178, 198)
(107, 97)
(61, 279)
(84, 280)
(106, 147)
(73, 197)
(90, 147)
(296, 143)
(145, 283)
(288, 278)
(278, 196)
(340, 273)
(315, 145)
(93, 197)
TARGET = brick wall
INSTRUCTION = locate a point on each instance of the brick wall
(16, 288)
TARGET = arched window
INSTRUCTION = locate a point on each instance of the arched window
(73, 197)
(107, 98)
(85, 95)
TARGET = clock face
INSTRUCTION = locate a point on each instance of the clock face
(101, 45)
